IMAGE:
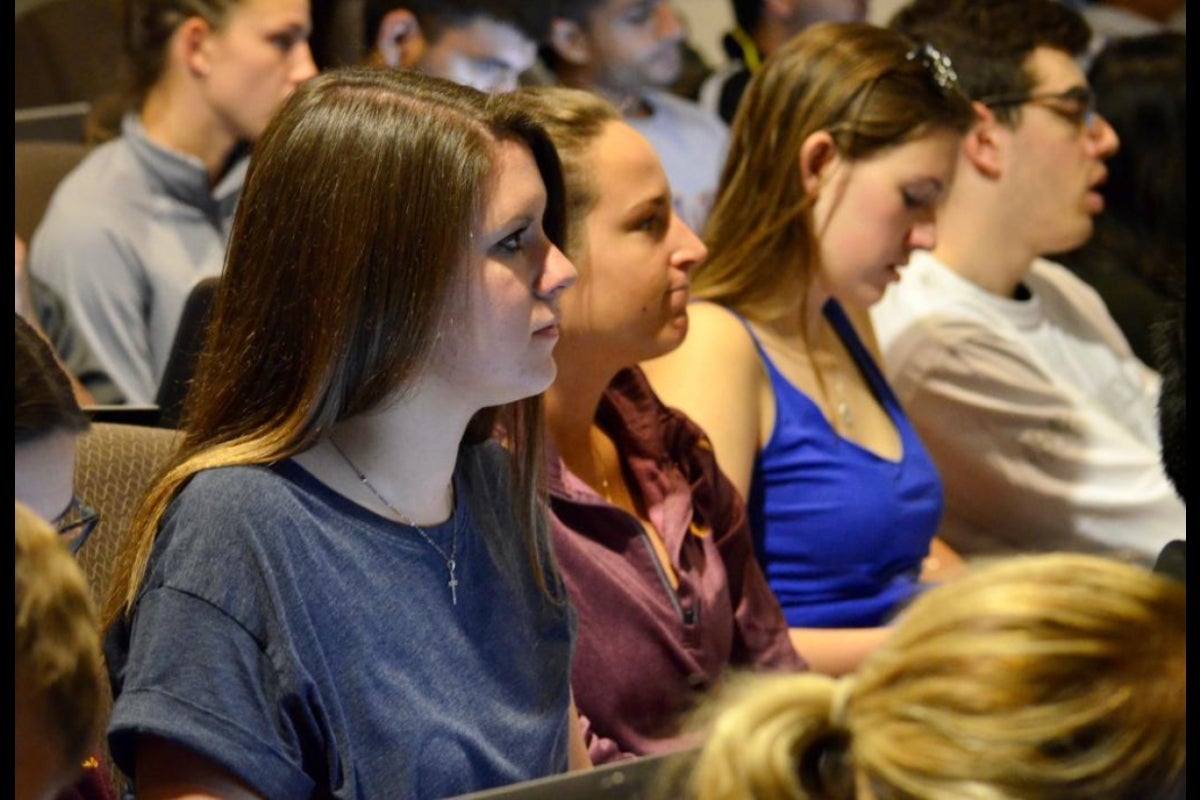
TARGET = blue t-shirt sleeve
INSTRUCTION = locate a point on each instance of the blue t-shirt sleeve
(196, 677)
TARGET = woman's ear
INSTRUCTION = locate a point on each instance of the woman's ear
(191, 42)
(818, 153)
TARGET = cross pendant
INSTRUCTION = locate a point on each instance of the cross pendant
(453, 584)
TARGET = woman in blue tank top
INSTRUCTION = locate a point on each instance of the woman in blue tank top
(780, 367)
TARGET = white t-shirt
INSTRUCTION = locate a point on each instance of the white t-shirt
(1041, 420)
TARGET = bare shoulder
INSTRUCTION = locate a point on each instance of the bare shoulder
(717, 339)
(717, 378)
(715, 372)
(715, 318)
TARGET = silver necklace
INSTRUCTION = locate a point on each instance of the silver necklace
(844, 412)
(450, 562)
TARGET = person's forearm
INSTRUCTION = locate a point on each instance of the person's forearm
(836, 651)
(942, 564)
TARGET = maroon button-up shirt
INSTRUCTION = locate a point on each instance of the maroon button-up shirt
(646, 650)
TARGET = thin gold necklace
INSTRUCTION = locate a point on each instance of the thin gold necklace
(598, 469)
(607, 492)
(450, 562)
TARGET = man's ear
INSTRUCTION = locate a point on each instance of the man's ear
(569, 42)
(399, 42)
(817, 153)
(780, 9)
(984, 143)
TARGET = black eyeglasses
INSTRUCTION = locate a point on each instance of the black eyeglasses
(1076, 105)
(76, 524)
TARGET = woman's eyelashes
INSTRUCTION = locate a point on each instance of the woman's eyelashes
(654, 220)
(514, 242)
(286, 40)
(921, 196)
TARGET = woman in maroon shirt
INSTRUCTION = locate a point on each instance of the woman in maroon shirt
(651, 538)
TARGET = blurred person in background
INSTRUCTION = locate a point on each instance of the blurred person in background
(485, 44)
(145, 216)
(761, 27)
(44, 310)
(630, 53)
(1136, 256)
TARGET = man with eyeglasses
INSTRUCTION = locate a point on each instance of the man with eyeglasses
(48, 422)
(1041, 420)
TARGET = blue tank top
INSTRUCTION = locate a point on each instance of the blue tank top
(840, 531)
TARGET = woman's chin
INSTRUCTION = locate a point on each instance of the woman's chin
(671, 337)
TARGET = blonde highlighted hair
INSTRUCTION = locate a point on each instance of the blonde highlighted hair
(1044, 677)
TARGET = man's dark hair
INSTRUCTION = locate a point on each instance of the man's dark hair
(747, 14)
(530, 17)
(1171, 360)
(989, 40)
(576, 10)
(1138, 248)
(43, 400)
(1171, 351)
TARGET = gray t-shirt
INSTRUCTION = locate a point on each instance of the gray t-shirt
(310, 646)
